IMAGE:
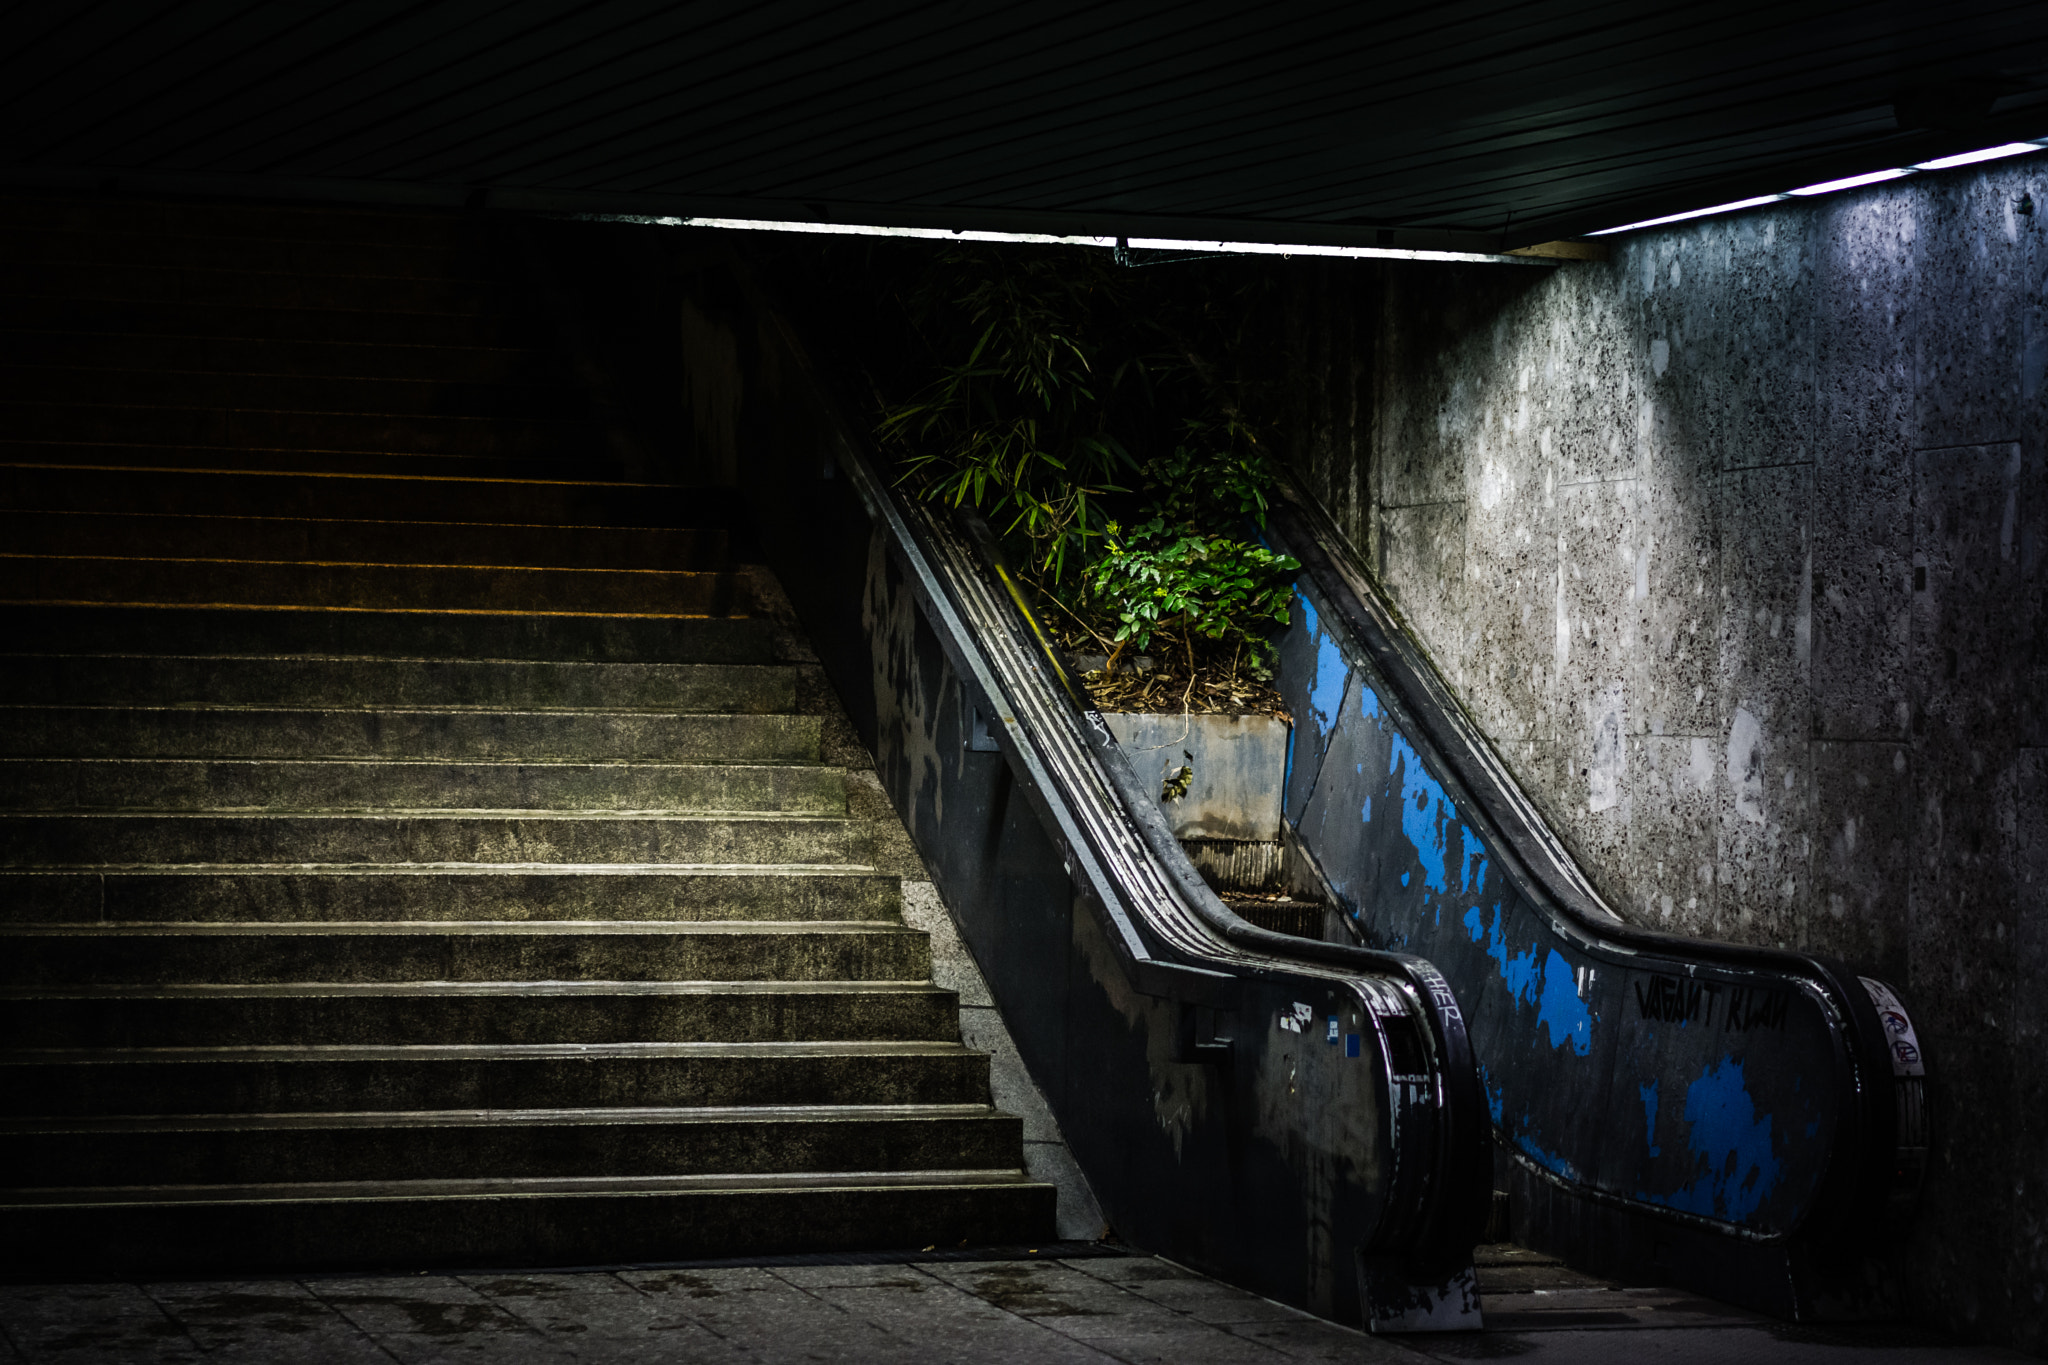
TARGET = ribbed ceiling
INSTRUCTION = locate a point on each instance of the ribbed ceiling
(1477, 121)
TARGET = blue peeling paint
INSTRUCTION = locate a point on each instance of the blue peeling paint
(1534, 1150)
(1553, 988)
(1365, 813)
(1368, 702)
(1733, 1161)
(1563, 1013)
(1544, 1157)
(1518, 973)
(1425, 811)
(1475, 852)
(1327, 695)
(1649, 1094)
(1493, 1094)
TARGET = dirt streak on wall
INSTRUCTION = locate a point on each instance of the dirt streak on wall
(1735, 545)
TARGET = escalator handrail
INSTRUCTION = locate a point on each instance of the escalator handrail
(1174, 936)
(1550, 877)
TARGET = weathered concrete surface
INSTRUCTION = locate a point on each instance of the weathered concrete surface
(1735, 546)
(1037, 1309)
(1238, 761)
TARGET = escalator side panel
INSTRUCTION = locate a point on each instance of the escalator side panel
(1226, 1091)
(1654, 1096)
(1232, 1167)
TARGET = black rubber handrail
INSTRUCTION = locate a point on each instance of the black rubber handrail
(1863, 1164)
(1176, 938)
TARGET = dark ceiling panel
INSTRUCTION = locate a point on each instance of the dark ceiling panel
(1469, 119)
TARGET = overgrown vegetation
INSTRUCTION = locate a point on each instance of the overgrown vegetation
(1096, 416)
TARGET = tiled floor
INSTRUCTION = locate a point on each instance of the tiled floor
(1093, 1309)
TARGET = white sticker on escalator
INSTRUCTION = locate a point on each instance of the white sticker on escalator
(1293, 1020)
(1898, 1029)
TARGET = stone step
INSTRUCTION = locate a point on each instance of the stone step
(477, 891)
(430, 229)
(392, 732)
(518, 1144)
(462, 889)
(53, 629)
(116, 280)
(362, 587)
(72, 345)
(199, 390)
(320, 681)
(393, 1012)
(283, 1079)
(361, 497)
(596, 1220)
(589, 466)
(69, 955)
(40, 839)
(327, 326)
(266, 429)
(126, 784)
(135, 535)
(233, 247)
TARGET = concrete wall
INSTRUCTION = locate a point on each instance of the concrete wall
(1734, 544)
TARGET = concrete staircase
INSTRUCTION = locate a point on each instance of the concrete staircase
(411, 852)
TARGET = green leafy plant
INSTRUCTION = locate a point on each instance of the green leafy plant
(1021, 429)
(1187, 584)
(1078, 411)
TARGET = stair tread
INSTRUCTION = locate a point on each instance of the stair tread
(498, 1188)
(201, 869)
(397, 709)
(485, 1118)
(409, 1052)
(488, 764)
(448, 928)
(663, 816)
(319, 552)
(465, 989)
(31, 656)
(143, 454)
(497, 611)
(379, 564)
(435, 476)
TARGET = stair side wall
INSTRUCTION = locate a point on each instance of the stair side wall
(1734, 546)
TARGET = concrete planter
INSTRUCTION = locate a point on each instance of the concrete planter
(1240, 763)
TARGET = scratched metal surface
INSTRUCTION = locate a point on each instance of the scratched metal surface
(1726, 1114)
(1727, 1084)
(1268, 1108)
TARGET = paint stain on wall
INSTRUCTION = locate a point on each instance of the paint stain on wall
(1326, 696)
(1551, 987)
(1735, 1163)
(1426, 812)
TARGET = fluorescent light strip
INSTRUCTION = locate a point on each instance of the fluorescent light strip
(1385, 253)
(1850, 182)
(1988, 154)
(1692, 213)
(1830, 186)
(854, 230)
(1212, 248)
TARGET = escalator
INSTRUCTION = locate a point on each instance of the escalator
(1741, 1121)
(1326, 1123)
(1299, 1117)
